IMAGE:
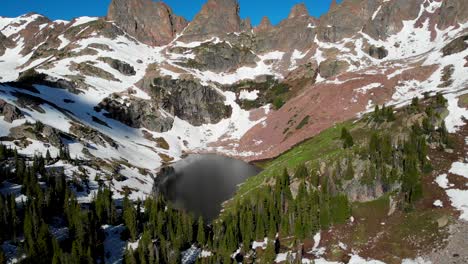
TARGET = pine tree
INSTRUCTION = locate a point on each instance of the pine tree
(201, 232)
(301, 172)
(48, 157)
(269, 255)
(3, 152)
(129, 217)
(347, 138)
(129, 256)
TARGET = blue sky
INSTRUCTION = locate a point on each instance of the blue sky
(276, 10)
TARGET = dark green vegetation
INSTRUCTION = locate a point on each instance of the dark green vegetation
(52, 205)
(312, 187)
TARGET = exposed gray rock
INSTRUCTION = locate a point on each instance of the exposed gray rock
(452, 12)
(216, 18)
(332, 67)
(88, 69)
(295, 32)
(377, 52)
(389, 20)
(4, 44)
(150, 22)
(100, 46)
(136, 112)
(122, 67)
(221, 57)
(30, 77)
(189, 100)
(345, 19)
(52, 135)
(455, 46)
(37, 131)
(85, 133)
(10, 112)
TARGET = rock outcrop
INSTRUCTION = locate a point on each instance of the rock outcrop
(452, 12)
(217, 17)
(221, 57)
(389, 18)
(4, 44)
(295, 32)
(345, 19)
(120, 66)
(457, 45)
(189, 100)
(9, 112)
(135, 112)
(331, 67)
(150, 22)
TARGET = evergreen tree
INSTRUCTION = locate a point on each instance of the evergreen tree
(347, 138)
(301, 172)
(201, 232)
(129, 217)
(48, 157)
(269, 255)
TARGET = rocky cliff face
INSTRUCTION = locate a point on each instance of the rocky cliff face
(452, 13)
(4, 44)
(190, 101)
(345, 19)
(217, 17)
(136, 112)
(388, 18)
(295, 32)
(150, 22)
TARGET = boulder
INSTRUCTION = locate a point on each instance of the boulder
(331, 67)
(121, 66)
(377, 52)
(10, 112)
(455, 46)
(136, 112)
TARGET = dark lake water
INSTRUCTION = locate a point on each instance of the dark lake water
(201, 183)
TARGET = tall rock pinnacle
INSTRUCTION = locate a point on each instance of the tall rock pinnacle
(150, 22)
(298, 11)
(216, 17)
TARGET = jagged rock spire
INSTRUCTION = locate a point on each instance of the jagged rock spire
(265, 25)
(216, 17)
(298, 11)
(152, 23)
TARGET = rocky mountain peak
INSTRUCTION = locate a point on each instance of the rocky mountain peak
(264, 25)
(152, 23)
(217, 17)
(333, 4)
(298, 11)
(246, 24)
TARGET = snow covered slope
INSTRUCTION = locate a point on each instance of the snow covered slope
(59, 72)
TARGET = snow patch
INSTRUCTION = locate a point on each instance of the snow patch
(248, 95)
(459, 168)
(438, 203)
(456, 114)
(443, 181)
(83, 20)
(368, 87)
